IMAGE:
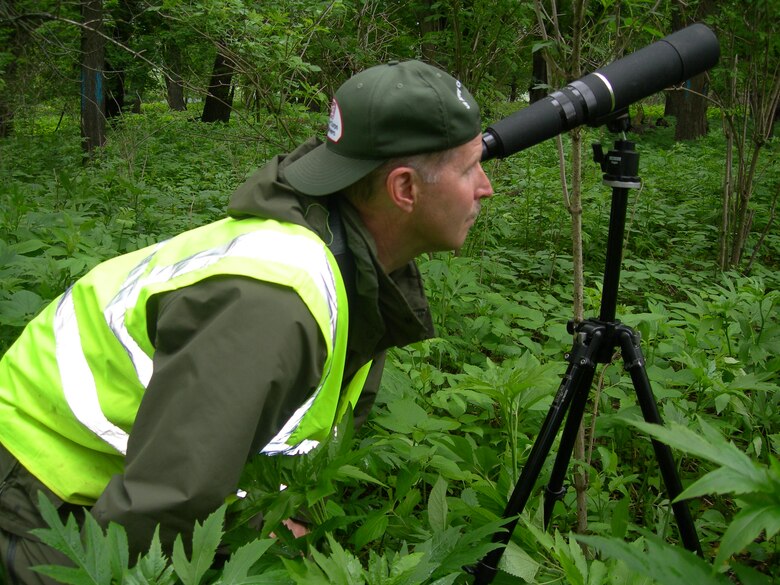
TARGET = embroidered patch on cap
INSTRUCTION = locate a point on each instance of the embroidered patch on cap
(334, 124)
(460, 95)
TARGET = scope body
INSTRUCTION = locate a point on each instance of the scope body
(594, 97)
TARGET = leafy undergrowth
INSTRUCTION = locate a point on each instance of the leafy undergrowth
(415, 495)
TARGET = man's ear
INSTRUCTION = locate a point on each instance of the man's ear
(402, 187)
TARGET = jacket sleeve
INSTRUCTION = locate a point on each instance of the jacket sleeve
(234, 358)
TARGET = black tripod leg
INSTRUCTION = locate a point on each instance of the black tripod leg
(555, 490)
(635, 365)
(578, 374)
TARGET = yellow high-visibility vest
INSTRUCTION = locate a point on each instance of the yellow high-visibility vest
(71, 385)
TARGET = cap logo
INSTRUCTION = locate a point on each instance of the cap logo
(334, 124)
(460, 95)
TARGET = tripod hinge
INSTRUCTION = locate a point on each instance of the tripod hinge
(635, 363)
(579, 359)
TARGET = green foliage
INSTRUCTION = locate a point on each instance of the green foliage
(101, 557)
(757, 486)
(416, 494)
(652, 557)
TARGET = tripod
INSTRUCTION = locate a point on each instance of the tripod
(594, 342)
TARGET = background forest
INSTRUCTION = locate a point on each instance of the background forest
(123, 122)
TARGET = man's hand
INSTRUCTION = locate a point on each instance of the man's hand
(296, 528)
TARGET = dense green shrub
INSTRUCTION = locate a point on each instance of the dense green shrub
(414, 496)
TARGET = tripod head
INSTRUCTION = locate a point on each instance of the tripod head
(621, 165)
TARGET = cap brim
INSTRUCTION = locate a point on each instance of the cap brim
(321, 171)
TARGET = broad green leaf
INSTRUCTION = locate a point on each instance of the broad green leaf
(749, 576)
(665, 563)
(340, 566)
(240, 562)
(517, 562)
(20, 308)
(205, 540)
(709, 445)
(66, 538)
(118, 549)
(728, 481)
(27, 246)
(597, 573)
(448, 580)
(97, 561)
(746, 527)
(153, 567)
(403, 417)
(353, 472)
(619, 521)
(570, 566)
(437, 506)
(448, 468)
(69, 575)
(373, 528)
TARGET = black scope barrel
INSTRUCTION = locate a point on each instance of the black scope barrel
(592, 98)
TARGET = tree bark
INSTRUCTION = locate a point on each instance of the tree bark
(219, 101)
(690, 108)
(122, 16)
(114, 82)
(174, 84)
(538, 77)
(93, 119)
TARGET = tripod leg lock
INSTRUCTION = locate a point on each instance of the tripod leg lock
(550, 497)
(554, 495)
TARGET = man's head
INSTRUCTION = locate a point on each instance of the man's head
(390, 111)
(404, 146)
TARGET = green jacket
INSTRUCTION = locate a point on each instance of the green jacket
(211, 402)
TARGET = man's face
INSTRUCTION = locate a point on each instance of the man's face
(448, 207)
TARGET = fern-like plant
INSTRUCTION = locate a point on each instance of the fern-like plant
(101, 557)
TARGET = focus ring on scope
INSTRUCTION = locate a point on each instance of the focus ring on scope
(565, 109)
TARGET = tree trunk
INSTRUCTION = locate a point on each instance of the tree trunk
(7, 105)
(93, 120)
(219, 101)
(13, 37)
(748, 115)
(691, 109)
(538, 77)
(121, 16)
(689, 106)
(114, 82)
(174, 84)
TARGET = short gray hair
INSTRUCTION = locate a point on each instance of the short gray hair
(428, 165)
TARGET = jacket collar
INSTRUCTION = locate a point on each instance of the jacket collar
(385, 310)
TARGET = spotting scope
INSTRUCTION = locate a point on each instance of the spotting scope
(593, 98)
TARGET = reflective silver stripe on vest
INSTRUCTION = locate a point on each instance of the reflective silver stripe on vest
(78, 382)
(115, 317)
(278, 445)
(260, 245)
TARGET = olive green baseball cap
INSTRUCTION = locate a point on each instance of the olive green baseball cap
(393, 110)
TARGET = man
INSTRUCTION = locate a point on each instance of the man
(142, 391)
